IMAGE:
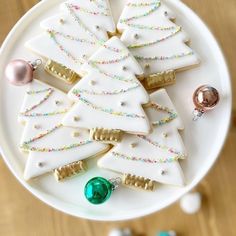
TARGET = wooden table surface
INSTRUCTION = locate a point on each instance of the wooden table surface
(22, 214)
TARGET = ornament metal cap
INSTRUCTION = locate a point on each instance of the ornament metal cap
(20, 72)
(98, 189)
(205, 98)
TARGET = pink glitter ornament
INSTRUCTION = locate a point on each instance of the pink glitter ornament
(20, 72)
(204, 98)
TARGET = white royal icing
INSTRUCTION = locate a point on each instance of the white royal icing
(153, 25)
(63, 145)
(77, 32)
(151, 153)
(109, 95)
(36, 124)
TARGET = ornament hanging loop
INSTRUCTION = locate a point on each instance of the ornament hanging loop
(115, 182)
(197, 114)
(35, 64)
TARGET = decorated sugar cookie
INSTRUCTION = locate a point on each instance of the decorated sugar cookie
(109, 98)
(51, 146)
(144, 160)
(157, 43)
(72, 36)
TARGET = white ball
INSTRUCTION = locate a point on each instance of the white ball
(120, 232)
(191, 203)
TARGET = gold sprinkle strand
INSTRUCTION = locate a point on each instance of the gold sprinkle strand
(159, 80)
(61, 72)
(69, 170)
(106, 135)
(138, 182)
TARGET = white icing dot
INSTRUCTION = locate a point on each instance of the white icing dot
(165, 135)
(76, 118)
(133, 145)
(136, 36)
(37, 126)
(121, 103)
(62, 21)
(91, 82)
(162, 172)
(40, 164)
(76, 134)
(191, 203)
(57, 102)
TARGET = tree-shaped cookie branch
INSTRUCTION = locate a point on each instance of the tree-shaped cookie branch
(52, 147)
(109, 98)
(71, 37)
(159, 45)
(144, 160)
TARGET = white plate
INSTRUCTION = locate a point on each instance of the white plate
(203, 139)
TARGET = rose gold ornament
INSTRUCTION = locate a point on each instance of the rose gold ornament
(20, 72)
(204, 98)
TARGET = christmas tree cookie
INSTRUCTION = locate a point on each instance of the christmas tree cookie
(109, 98)
(159, 45)
(51, 146)
(72, 36)
(144, 160)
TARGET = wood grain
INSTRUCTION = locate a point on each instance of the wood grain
(22, 214)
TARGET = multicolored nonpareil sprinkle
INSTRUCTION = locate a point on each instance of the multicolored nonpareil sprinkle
(130, 22)
(114, 92)
(28, 112)
(178, 29)
(27, 145)
(96, 41)
(111, 61)
(155, 5)
(158, 107)
(163, 147)
(112, 76)
(109, 110)
(49, 91)
(145, 160)
(162, 58)
(101, 13)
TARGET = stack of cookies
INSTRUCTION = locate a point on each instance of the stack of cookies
(116, 109)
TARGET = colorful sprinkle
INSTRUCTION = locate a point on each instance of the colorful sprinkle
(78, 8)
(156, 41)
(145, 160)
(109, 110)
(27, 147)
(154, 7)
(172, 114)
(49, 92)
(162, 58)
(163, 147)
(109, 75)
(114, 92)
